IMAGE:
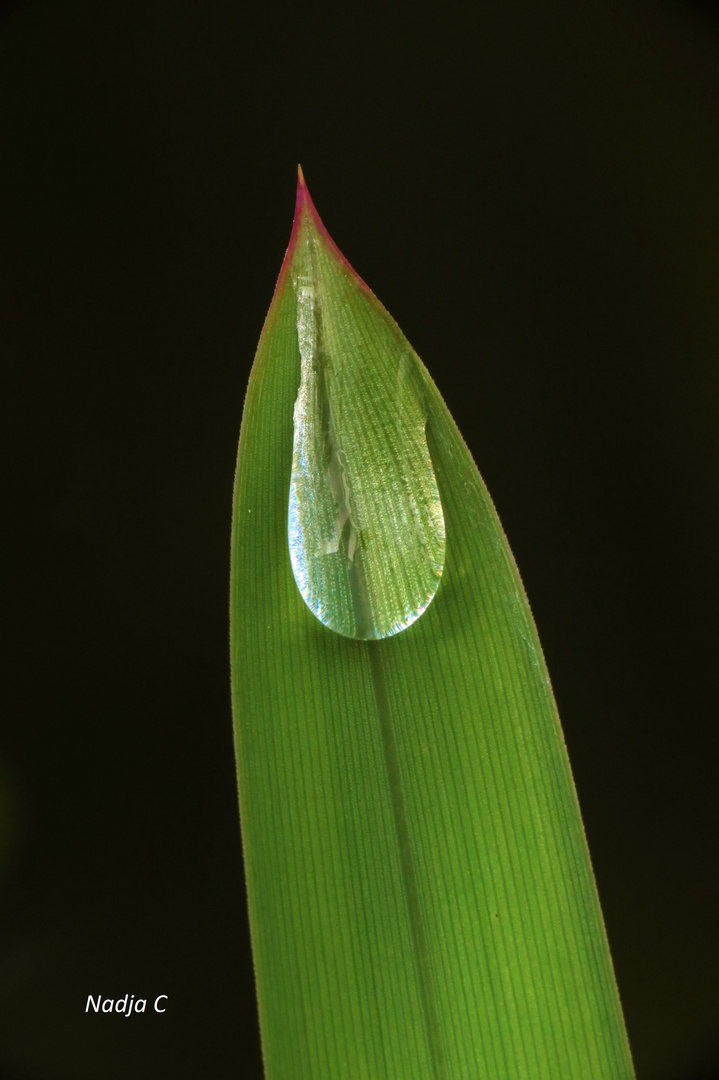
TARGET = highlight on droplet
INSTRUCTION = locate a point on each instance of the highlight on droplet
(365, 525)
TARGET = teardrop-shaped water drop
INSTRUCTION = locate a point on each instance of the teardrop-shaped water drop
(366, 528)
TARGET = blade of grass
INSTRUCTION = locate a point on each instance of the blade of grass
(421, 899)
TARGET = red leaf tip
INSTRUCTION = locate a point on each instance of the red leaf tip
(304, 209)
(304, 199)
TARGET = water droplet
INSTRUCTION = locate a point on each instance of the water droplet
(366, 528)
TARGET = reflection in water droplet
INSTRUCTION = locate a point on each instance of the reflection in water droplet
(366, 528)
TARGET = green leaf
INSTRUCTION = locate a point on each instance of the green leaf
(422, 904)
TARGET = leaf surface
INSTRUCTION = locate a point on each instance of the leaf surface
(422, 904)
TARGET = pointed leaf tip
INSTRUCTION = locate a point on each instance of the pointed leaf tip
(304, 199)
(303, 203)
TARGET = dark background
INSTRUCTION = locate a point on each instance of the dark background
(532, 189)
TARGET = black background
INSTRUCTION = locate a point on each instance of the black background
(532, 189)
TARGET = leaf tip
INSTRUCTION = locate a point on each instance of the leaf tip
(306, 216)
(304, 202)
(304, 211)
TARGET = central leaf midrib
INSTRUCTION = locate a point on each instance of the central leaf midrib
(409, 877)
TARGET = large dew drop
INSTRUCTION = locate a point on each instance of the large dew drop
(366, 528)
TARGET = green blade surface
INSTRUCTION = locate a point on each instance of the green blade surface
(422, 904)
